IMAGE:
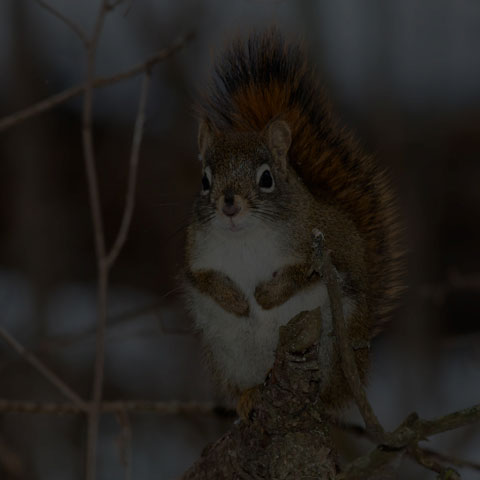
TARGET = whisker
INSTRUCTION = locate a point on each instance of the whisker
(169, 204)
(185, 224)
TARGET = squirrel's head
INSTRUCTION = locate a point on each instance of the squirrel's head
(245, 176)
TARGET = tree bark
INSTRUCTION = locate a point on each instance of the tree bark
(287, 436)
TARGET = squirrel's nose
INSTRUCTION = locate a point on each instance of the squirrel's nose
(229, 207)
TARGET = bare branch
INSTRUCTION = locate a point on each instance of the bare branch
(359, 430)
(44, 371)
(124, 441)
(133, 406)
(42, 106)
(430, 463)
(132, 175)
(104, 260)
(349, 365)
(62, 97)
(154, 309)
(450, 459)
(287, 436)
(412, 430)
(461, 418)
(69, 23)
(102, 267)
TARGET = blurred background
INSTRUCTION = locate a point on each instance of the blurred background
(404, 76)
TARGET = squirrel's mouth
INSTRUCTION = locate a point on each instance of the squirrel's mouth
(234, 223)
(232, 212)
(234, 226)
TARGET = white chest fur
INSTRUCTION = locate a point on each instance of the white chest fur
(243, 348)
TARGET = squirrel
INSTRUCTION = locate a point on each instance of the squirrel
(276, 166)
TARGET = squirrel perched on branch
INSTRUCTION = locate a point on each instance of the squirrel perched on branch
(276, 166)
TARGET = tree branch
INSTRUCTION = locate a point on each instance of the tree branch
(408, 434)
(105, 260)
(76, 29)
(133, 406)
(99, 240)
(324, 265)
(359, 430)
(247, 449)
(450, 459)
(62, 97)
(430, 463)
(413, 429)
(132, 175)
(38, 365)
(125, 442)
(287, 436)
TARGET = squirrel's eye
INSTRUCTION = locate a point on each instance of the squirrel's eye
(206, 180)
(265, 179)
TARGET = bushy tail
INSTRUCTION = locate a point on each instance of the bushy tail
(267, 77)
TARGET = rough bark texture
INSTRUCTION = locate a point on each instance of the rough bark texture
(287, 437)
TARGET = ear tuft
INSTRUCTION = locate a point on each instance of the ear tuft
(279, 138)
(205, 136)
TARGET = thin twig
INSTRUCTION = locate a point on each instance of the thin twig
(36, 363)
(132, 175)
(62, 97)
(67, 21)
(125, 442)
(430, 463)
(413, 429)
(450, 459)
(154, 309)
(106, 261)
(359, 430)
(49, 343)
(460, 418)
(133, 406)
(408, 434)
(348, 363)
(102, 267)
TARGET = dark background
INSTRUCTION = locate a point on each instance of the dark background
(404, 76)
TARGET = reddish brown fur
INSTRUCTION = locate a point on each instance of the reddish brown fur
(328, 160)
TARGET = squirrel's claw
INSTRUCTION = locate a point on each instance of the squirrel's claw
(266, 295)
(246, 403)
(239, 306)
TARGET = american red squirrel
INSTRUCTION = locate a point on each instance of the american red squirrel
(276, 166)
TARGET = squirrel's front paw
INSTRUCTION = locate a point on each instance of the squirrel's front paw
(267, 294)
(247, 401)
(238, 305)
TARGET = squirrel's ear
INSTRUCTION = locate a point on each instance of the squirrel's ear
(279, 138)
(205, 137)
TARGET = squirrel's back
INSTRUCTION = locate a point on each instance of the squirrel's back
(268, 78)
